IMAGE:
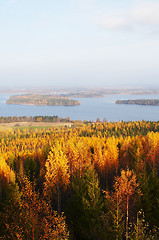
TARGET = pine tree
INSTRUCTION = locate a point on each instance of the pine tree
(87, 210)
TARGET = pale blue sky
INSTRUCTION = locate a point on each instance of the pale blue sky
(79, 43)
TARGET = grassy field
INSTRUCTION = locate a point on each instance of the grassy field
(30, 125)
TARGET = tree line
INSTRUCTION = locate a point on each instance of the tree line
(33, 119)
(153, 102)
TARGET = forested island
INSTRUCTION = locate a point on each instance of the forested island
(152, 102)
(33, 99)
(95, 181)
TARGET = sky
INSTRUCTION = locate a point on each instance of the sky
(79, 43)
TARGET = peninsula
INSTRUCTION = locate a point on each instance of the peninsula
(152, 102)
(33, 99)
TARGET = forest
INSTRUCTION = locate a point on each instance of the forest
(93, 181)
(35, 99)
(13, 119)
(153, 102)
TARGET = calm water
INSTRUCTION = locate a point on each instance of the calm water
(90, 109)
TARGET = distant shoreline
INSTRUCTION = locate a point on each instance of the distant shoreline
(151, 102)
(83, 92)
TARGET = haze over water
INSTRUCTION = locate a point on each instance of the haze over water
(90, 109)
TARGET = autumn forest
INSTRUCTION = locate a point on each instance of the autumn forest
(87, 181)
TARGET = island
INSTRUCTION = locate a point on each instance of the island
(83, 95)
(33, 99)
(152, 102)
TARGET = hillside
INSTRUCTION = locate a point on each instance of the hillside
(94, 181)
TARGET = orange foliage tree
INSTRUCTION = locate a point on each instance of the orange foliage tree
(57, 174)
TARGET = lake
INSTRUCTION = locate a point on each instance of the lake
(90, 109)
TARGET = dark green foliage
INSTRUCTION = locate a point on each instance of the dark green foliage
(33, 119)
(150, 199)
(87, 209)
(121, 129)
(31, 167)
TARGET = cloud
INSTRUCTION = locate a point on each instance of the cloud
(146, 13)
(115, 23)
(143, 14)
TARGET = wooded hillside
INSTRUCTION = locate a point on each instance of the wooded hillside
(97, 181)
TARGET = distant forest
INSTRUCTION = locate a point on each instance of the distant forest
(154, 102)
(33, 119)
(35, 99)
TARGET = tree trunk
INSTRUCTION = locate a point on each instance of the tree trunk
(32, 221)
(137, 230)
(117, 220)
(58, 200)
(127, 218)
